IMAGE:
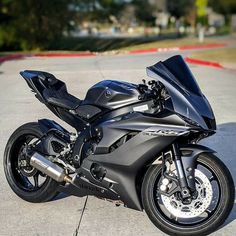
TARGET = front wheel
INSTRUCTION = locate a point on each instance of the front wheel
(205, 213)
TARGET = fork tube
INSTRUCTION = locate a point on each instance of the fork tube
(179, 168)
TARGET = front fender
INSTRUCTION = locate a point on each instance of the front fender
(189, 155)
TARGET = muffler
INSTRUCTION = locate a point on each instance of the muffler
(49, 168)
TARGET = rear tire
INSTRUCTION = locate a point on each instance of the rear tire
(215, 220)
(19, 183)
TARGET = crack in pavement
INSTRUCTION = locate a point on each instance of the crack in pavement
(81, 216)
(97, 64)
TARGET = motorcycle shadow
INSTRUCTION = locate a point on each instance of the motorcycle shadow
(224, 142)
(61, 196)
(231, 217)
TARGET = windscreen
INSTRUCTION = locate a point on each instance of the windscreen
(181, 73)
(186, 96)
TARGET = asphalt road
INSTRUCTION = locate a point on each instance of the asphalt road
(62, 216)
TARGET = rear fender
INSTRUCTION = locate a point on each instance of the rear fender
(51, 132)
(46, 125)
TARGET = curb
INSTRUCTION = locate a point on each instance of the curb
(204, 63)
(11, 57)
(21, 56)
(181, 48)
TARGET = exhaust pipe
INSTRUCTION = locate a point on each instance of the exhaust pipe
(49, 168)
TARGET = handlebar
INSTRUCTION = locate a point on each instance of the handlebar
(153, 91)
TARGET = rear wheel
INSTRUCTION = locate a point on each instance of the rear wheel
(26, 181)
(205, 213)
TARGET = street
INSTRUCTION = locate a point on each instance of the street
(62, 216)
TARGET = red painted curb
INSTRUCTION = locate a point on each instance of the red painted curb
(20, 56)
(203, 62)
(11, 57)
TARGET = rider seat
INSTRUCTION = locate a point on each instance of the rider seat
(54, 91)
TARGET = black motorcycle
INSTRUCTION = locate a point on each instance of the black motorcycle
(134, 145)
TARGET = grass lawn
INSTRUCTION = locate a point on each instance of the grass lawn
(170, 43)
(222, 55)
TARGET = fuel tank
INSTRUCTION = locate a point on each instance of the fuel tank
(112, 94)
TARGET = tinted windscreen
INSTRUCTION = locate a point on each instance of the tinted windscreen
(186, 97)
(176, 69)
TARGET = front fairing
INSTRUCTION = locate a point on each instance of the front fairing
(186, 97)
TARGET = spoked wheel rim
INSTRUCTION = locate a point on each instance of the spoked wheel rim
(25, 177)
(178, 214)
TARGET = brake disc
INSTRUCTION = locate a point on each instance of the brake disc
(197, 206)
(24, 166)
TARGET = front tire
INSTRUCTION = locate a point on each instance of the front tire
(203, 226)
(29, 183)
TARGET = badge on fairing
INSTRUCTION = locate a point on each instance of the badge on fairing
(141, 108)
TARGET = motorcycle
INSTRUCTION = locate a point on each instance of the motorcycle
(135, 145)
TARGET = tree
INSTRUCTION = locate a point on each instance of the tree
(225, 7)
(98, 10)
(145, 12)
(180, 8)
(33, 24)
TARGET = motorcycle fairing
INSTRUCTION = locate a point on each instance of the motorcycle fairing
(113, 129)
(186, 97)
(125, 168)
(125, 165)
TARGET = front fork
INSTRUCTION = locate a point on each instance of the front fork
(184, 158)
(185, 172)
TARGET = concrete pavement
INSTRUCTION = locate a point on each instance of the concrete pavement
(62, 216)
